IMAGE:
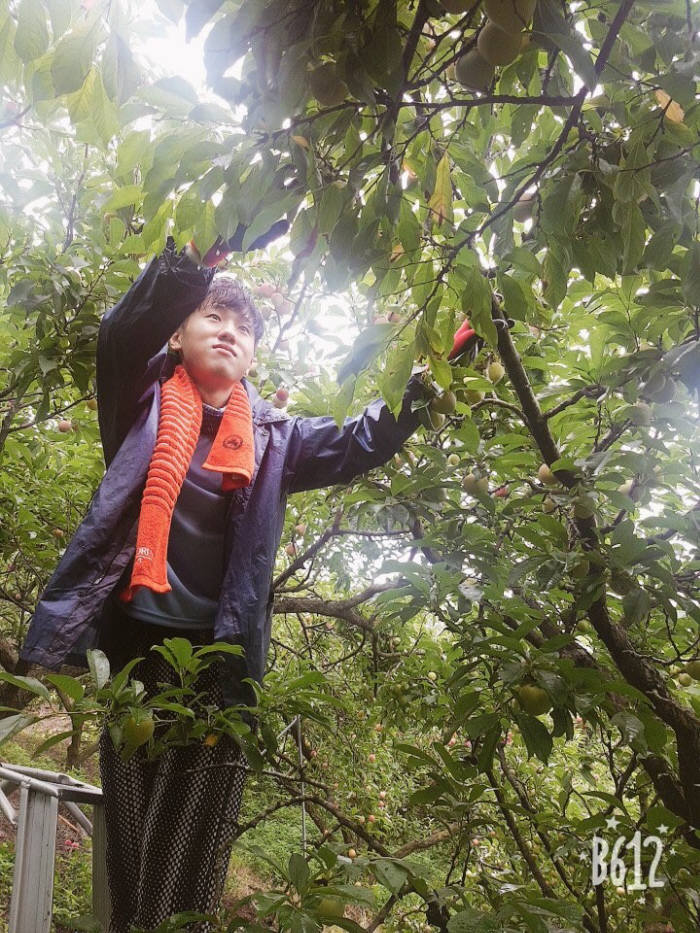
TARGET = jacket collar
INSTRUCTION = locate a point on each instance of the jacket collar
(263, 412)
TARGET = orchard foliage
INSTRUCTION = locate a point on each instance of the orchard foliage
(537, 553)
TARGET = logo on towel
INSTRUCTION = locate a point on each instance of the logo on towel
(233, 441)
(143, 553)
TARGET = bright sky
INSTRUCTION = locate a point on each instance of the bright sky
(169, 50)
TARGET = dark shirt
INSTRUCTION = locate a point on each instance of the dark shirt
(195, 547)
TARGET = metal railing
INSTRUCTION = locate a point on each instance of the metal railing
(35, 850)
(297, 722)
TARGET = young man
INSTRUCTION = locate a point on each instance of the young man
(180, 538)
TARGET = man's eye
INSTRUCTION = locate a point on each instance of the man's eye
(214, 314)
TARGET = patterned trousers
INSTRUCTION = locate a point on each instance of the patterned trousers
(170, 822)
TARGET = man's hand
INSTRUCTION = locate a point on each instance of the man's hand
(221, 249)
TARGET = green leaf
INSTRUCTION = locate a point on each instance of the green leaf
(367, 346)
(41, 81)
(473, 921)
(396, 374)
(441, 370)
(660, 247)
(633, 229)
(11, 725)
(68, 685)
(487, 751)
(53, 740)
(637, 605)
(343, 400)
(32, 35)
(92, 110)
(72, 59)
(330, 209)
(31, 684)
(60, 14)
(123, 197)
(391, 873)
(655, 732)
(691, 276)
(570, 44)
(120, 74)
(537, 740)
(517, 301)
(98, 665)
(176, 651)
(477, 302)
(630, 726)
(298, 872)
(440, 203)
(555, 275)
(426, 795)
(223, 647)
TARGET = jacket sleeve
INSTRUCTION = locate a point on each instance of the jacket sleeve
(135, 330)
(321, 454)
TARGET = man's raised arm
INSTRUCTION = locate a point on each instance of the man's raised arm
(135, 329)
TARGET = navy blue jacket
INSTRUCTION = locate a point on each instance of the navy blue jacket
(291, 454)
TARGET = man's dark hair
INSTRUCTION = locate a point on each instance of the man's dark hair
(226, 291)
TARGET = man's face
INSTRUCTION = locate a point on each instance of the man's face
(217, 346)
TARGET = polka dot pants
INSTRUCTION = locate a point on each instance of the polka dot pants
(170, 822)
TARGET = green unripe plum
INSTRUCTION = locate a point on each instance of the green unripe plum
(629, 489)
(685, 680)
(430, 419)
(495, 371)
(534, 700)
(692, 668)
(453, 460)
(475, 485)
(545, 475)
(473, 71)
(510, 15)
(584, 507)
(326, 86)
(331, 907)
(473, 396)
(437, 419)
(549, 505)
(444, 404)
(640, 414)
(498, 47)
(137, 731)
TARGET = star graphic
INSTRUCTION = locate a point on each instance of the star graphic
(583, 856)
(612, 822)
(663, 828)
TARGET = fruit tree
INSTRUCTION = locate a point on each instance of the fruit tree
(521, 579)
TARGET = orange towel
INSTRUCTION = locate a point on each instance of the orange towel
(232, 453)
